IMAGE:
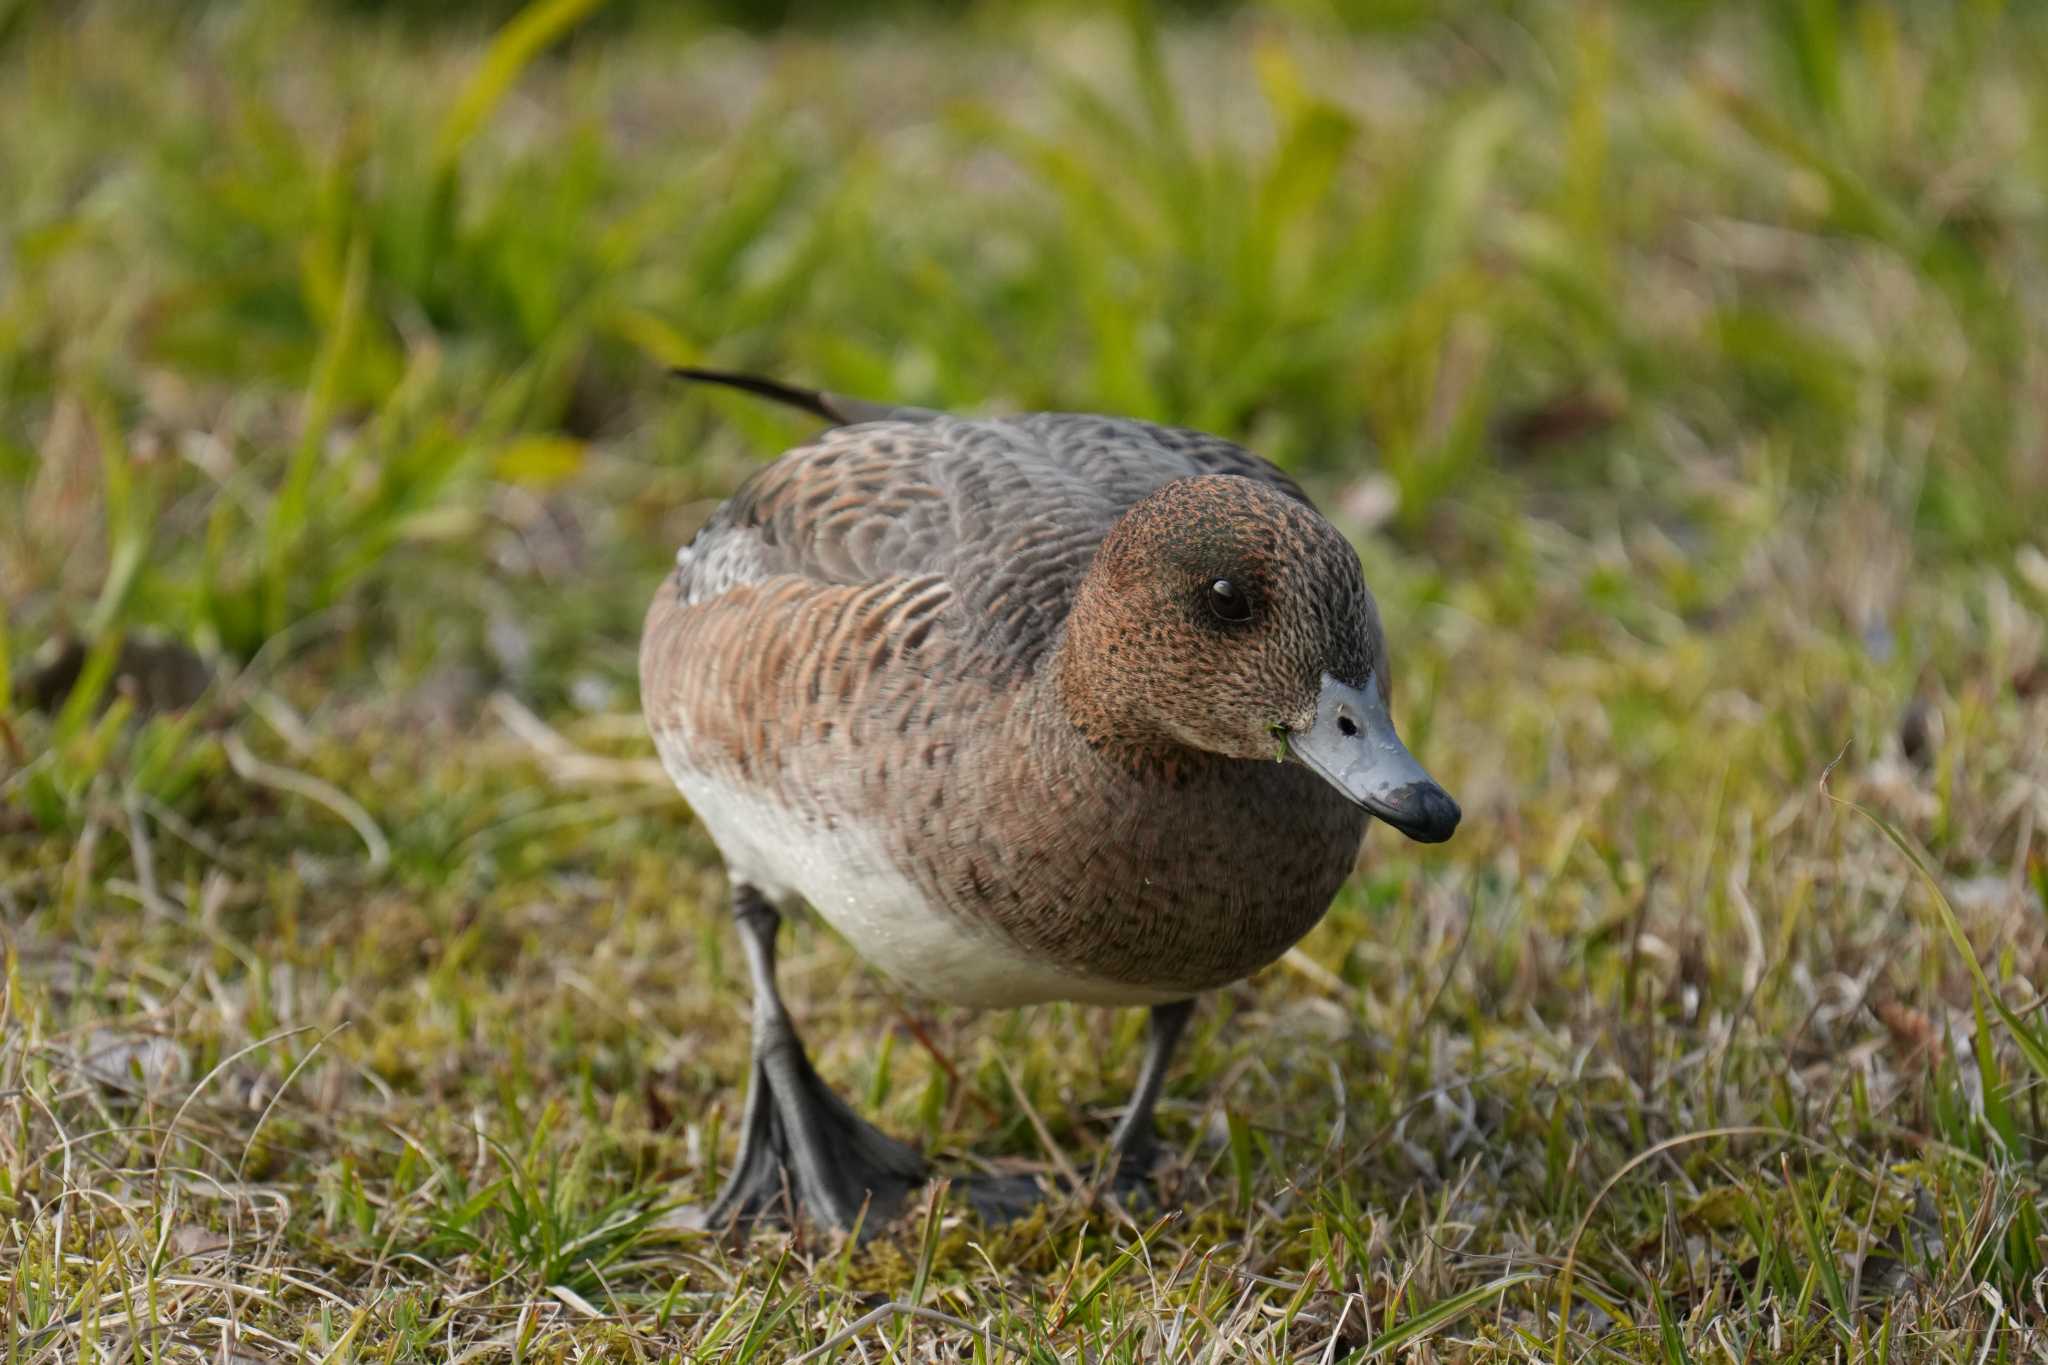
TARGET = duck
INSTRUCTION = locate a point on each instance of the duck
(1042, 707)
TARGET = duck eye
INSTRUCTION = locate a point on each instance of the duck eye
(1227, 602)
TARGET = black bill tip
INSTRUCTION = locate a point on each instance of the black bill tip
(1423, 811)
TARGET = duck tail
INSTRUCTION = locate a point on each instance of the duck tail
(833, 407)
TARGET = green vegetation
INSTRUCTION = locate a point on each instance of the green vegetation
(1682, 375)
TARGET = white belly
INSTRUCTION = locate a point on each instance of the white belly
(847, 876)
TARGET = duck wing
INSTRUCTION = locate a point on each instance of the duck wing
(1004, 515)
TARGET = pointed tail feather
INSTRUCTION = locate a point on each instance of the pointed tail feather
(833, 407)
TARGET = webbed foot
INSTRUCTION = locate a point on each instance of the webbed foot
(802, 1148)
(802, 1142)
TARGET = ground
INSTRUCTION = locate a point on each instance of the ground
(1679, 373)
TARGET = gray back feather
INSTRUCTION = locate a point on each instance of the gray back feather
(1008, 512)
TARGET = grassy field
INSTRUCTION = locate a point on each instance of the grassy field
(1681, 375)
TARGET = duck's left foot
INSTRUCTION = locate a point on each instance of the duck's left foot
(1133, 1146)
(1000, 1197)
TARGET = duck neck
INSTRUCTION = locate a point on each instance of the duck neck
(1091, 707)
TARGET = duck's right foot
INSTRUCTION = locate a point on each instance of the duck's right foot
(802, 1149)
(801, 1143)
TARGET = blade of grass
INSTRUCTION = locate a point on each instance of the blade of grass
(6, 671)
(2030, 1044)
(93, 677)
(1822, 1251)
(529, 33)
(1109, 1272)
(1439, 1314)
(285, 530)
(130, 517)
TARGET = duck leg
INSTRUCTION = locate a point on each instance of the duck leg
(798, 1138)
(1134, 1142)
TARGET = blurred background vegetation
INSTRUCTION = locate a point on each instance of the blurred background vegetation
(1680, 369)
(335, 280)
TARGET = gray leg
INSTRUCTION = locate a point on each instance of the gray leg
(1134, 1142)
(799, 1139)
(1132, 1145)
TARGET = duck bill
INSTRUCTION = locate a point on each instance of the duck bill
(1353, 747)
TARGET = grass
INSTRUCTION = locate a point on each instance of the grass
(1680, 374)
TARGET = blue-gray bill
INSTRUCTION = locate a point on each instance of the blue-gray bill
(1353, 747)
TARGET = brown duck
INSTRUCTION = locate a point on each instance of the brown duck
(1048, 707)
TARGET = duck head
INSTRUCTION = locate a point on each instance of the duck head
(1222, 615)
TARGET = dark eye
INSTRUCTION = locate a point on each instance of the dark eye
(1227, 602)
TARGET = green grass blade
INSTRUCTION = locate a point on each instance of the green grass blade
(129, 516)
(2031, 1046)
(1440, 1314)
(1667, 1331)
(1819, 1248)
(287, 531)
(1244, 1174)
(93, 677)
(1101, 1282)
(529, 33)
